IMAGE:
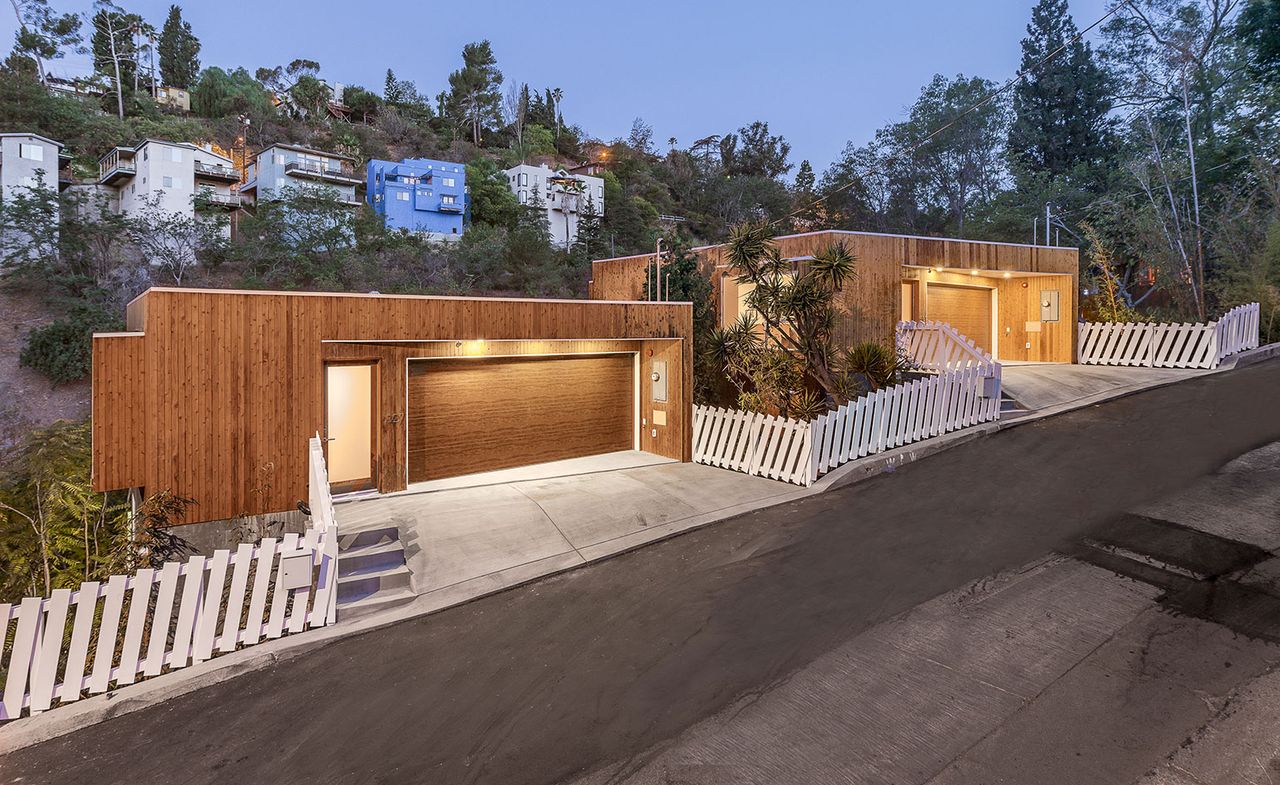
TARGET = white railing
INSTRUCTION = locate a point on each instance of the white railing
(68, 645)
(939, 347)
(753, 443)
(902, 414)
(1170, 345)
(800, 452)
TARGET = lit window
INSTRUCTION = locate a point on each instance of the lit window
(447, 199)
(402, 196)
(31, 152)
(449, 181)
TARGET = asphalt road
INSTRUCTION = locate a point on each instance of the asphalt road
(548, 681)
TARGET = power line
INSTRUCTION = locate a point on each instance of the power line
(975, 107)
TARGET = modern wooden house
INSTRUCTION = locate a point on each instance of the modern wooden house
(213, 394)
(1018, 302)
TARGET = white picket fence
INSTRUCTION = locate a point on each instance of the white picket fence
(939, 347)
(800, 452)
(902, 414)
(176, 616)
(753, 443)
(1170, 345)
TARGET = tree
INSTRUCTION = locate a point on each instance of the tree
(43, 34)
(171, 241)
(1175, 58)
(516, 107)
(219, 93)
(760, 154)
(474, 99)
(115, 54)
(392, 91)
(640, 138)
(557, 95)
(804, 197)
(797, 317)
(1060, 106)
(301, 236)
(179, 51)
(491, 199)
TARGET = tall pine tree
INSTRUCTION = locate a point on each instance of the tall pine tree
(179, 51)
(1060, 107)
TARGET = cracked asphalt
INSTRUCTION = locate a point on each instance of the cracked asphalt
(916, 627)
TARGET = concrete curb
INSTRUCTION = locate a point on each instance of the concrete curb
(33, 730)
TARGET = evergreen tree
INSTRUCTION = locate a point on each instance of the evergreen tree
(179, 51)
(474, 99)
(1060, 107)
(804, 196)
(392, 92)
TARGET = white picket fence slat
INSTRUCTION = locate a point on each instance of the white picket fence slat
(170, 617)
(1170, 345)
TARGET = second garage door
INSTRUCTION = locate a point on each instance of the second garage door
(966, 308)
(468, 416)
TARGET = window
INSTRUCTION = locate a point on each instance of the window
(449, 181)
(31, 152)
(402, 196)
(524, 178)
(175, 155)
(524, 197)
(600, 191)
(447, 199)
(280, 159)
(168, 182)
(145, 153)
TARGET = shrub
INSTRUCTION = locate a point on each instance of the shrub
(63, 350)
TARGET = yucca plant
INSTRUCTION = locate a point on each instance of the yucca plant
(877, 365)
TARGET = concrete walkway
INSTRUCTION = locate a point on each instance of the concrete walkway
(481, 534)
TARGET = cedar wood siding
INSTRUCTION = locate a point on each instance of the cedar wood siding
(218, 396)
(870, 306)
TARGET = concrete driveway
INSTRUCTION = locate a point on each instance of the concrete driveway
(1039, 386)
(541, 525)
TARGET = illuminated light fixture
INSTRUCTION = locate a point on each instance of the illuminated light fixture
(973, 272)
(1008, 275)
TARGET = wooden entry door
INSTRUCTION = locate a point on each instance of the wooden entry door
(475, 415)
(350, 424)
(966, 308)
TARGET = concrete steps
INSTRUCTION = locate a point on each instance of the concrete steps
(372, 572)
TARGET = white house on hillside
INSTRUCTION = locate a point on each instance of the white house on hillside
(564, 196)
(172, 173)
(24, 158)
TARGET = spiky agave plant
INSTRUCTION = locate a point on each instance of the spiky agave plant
(876, 364)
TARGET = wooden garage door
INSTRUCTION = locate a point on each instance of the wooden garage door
(469, 416)
(966, 308)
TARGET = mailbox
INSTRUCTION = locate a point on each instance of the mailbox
(295, 570)
(1049, 305)
(659, 381)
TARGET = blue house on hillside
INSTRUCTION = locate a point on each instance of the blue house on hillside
(420, 195)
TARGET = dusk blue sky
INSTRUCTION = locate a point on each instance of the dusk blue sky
(821, 73)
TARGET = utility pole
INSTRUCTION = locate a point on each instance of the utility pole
(657, 262)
